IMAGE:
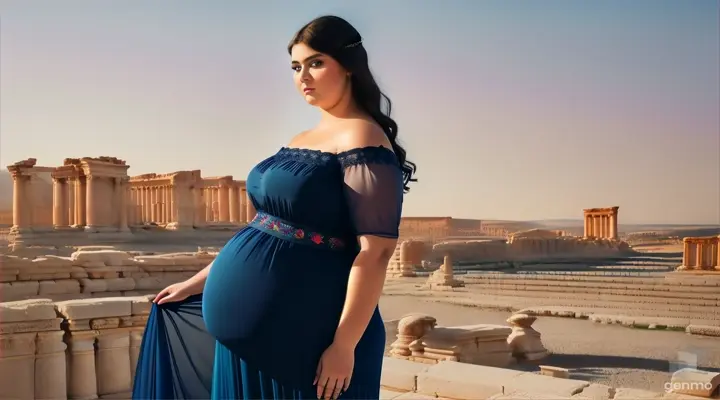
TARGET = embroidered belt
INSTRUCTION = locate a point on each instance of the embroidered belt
(283, 229)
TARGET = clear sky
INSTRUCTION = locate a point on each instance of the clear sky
(511, 109)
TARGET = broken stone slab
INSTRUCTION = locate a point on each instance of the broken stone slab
(95, 308)
(596, 391)
(694, 382)
(27, 310)
(530, 396)
(464, 381)
(400, 375)
(27, 316)
(555, 372)
(536, 383)
(106, 257)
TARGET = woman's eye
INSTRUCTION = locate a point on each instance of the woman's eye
(316, 64)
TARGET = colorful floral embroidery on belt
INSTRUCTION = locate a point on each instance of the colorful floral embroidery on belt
(274, 224)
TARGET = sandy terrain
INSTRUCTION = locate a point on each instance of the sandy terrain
(608, 354)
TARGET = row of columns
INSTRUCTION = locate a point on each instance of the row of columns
(701, 253)
(601, 224)
(93, 203)
(179, 205)
(75, 365)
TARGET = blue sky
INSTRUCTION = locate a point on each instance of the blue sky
(511, 109)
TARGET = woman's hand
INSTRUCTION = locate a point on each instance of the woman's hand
(175, 292)
(334, 371)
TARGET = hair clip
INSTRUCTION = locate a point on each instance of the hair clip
(359, 42)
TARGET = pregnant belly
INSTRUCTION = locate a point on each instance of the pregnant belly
(262, 288)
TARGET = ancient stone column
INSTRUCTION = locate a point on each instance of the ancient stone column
(91, 204)
(82, 380)
(717, 256)
(122, 198)
(136, 336)
(145, 193)
(207, 201)
(81, 195)
(586, 226)
(198, 208)
(50, 366)
(170, 215)
(699, 254)
(22, 203)
(686, 254)
(59, 220)
(153, 203)
(224, 203)
(17, 366)
(234, 205)
(613, 226)
(70, 198)
(113, 362)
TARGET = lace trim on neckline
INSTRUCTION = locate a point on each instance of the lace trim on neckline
(360, 155)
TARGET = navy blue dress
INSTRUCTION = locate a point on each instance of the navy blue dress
(275, 292)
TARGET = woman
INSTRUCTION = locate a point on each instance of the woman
(289, 307)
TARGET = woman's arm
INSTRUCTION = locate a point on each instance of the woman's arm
(196, 283)
(365, 286)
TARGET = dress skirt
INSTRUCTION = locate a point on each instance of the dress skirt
(256, 333)
(179, 359)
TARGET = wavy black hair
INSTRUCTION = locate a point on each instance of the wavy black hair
(338, 39)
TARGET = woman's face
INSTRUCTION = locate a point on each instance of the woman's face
(320, 79)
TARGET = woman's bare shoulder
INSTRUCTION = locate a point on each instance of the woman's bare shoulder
(360, 133)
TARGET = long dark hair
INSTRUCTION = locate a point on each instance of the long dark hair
(338, 39)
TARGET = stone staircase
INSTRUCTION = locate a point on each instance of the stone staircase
(672, 295)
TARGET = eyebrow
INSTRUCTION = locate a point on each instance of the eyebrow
(312, 57)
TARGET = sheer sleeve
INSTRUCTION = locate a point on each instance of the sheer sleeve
(373, 185)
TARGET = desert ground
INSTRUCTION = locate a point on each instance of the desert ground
(609, 354)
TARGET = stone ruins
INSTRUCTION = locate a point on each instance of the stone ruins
(701, 254)
(601, 223)
(95, 195)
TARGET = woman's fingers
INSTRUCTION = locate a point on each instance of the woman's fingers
(160, 295)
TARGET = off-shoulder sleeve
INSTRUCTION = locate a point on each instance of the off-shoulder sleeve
(373, 185)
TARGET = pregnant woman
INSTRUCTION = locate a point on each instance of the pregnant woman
(289, 307)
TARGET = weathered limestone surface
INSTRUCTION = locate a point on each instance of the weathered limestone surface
(403, 379)
(420, 340)
(401, 264)
(96, 195)
(88, 348)
(524, 341)
(93, 355)
(95, 273)
(701, 254)
(523, 248)
(601, 223)
(443, 278)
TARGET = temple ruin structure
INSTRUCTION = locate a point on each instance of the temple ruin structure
(701, 253)
(601, 223)
(96, 195)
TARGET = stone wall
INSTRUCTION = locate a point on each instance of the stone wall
(95, 273)
(79, 349)
(530, 248)
(88, 348)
